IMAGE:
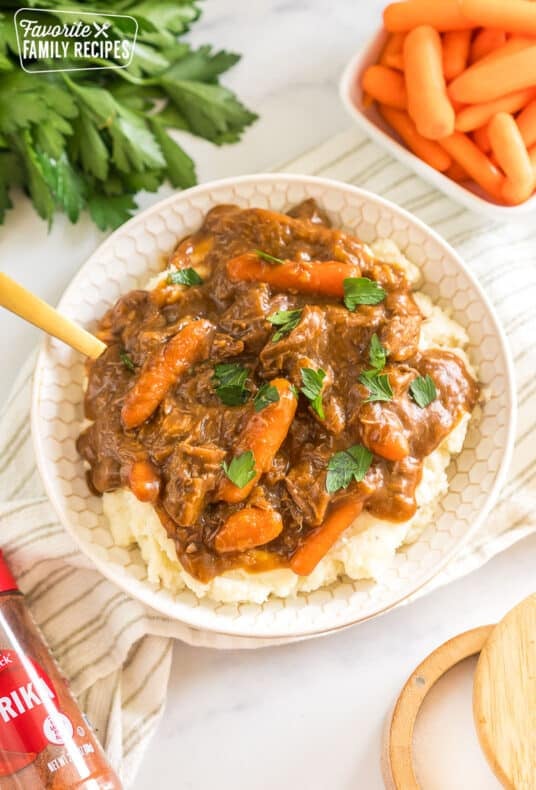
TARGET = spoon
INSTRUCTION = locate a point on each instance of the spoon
(25, 304)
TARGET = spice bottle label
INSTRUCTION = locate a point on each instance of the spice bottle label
(29, 715)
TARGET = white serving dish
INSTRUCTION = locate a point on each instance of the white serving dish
(135, 252)
(470, 195)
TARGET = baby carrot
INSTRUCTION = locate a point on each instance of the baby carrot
(475, 115)
(248, 528)
(477, 164)
(321, 277)
(488, 81)
(457, 173)
(455, 45)
(481, 138)
(428, 103)
(395, 60)
(382, 432)
(526, 122)
(485, 42)
(512, 156)
(317, 545)
(144, 481)
(532, 157)
(163, 368)
(512, 45)
(513, 16)
(263, 434)
(393, 46)
(443, 16)
(427, 150)
(385, 85)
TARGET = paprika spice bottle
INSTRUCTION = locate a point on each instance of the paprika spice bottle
(45, 741)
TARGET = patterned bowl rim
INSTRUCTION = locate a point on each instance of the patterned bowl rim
(140, 590)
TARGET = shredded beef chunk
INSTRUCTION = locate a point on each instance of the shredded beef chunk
(265, 404)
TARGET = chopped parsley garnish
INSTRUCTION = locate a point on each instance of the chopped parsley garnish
(377, 384)
(362, 290)
(295, 391)
(286, 320)
(265, 256)
(241, 470)
(187, 277)
(423, 390)
(377, 353)
(229, 381)
(312, 388)
(347, 465)
(127, 361)
(267, 394)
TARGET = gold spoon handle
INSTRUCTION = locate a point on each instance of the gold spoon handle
(28, 306)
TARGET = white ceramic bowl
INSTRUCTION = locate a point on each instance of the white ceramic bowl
(137, 251)
(370, 120)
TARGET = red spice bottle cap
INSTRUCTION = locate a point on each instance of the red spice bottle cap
(7, 581)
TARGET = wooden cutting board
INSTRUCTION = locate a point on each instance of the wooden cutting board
(504, 698)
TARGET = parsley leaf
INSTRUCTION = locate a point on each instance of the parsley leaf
(377, 353)
(377, 384)
(265, 256)
(286, 320)
(229, 382)
(347, 465)
(94, 139)
(241, 470)
(127, 361)
(423, 390)
(110, 211)
(312, 388)
(267, 394)
(362, 290)
(187, 277)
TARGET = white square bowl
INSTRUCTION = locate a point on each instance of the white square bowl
(370, 120)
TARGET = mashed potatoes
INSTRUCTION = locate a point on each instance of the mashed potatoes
(364, 551)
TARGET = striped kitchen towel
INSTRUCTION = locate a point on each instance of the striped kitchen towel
(117, 652)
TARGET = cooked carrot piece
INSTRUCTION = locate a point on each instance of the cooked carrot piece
(444, 15)
(513, 16)
(144, 481)
(512, 156)
(248, 528)
(427, 150)
(264, 433)
(526, 123)
(485, 42)
(322, 277)
(317, 545)
(476, 115)
(428, 103)
(457, 173)
(455, 46)
(163, 368)
(488, 81)
(481, 138)
(382, 432)
(462, 149)
(385, 85)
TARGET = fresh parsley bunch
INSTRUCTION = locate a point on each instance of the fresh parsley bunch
(93, 139)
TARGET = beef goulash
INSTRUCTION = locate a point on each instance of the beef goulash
(267, 390)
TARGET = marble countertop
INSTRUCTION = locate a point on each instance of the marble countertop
(308, 715)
